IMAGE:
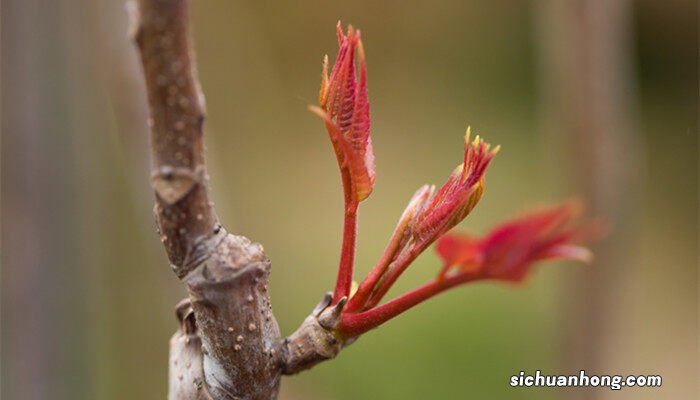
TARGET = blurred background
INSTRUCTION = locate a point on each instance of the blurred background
(595, 99)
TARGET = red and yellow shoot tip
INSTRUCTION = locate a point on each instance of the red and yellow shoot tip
(344, 107)
(459, 195)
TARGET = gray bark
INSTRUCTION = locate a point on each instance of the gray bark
(228, 345)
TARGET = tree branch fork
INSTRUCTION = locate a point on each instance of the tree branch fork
(228, 344)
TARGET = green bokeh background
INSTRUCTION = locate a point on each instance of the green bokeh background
(87, 294)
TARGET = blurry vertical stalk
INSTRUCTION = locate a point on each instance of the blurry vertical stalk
(42, 328)
(588, 84)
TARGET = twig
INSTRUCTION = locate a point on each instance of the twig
(226, 275)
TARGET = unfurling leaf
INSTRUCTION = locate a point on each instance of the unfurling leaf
(509, 251)
(344, 107)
